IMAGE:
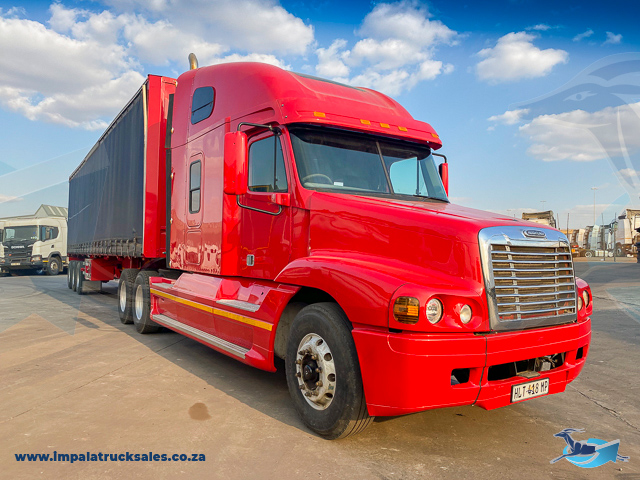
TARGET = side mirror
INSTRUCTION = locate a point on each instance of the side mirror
(235, 163)
(444, 175)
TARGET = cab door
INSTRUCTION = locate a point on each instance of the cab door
(265, 212)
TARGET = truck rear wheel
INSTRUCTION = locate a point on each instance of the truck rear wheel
(142, 303)
(323, 373)
(125, 294)
(54, 266)
(79, 279)
(74, 275)
(70, 274)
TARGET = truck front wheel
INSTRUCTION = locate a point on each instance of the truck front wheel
(142, 303)
(54, 266)
(323, 373)
(125, 295)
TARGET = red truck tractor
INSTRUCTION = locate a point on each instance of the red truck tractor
(269, 214)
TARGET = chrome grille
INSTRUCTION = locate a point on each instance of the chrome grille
(529, 282)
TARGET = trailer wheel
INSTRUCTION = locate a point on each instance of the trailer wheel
(79, 280)
(70, 275)
(74, 275)
(588, 253)
(54, 266)
(125, 294)
(142, 303)
(323, 373)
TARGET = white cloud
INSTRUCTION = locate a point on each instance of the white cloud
(583, 35)
(510, 117)
(250, 25)
(81, 69)
(9, 198)
(397, 52)
(613, 39)
(516, 57)
(582, 136)
(629, 173)
(45, 75)
(331, 61)
(406, 21)
(541, 27)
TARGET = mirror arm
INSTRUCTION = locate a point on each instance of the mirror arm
(440, 155)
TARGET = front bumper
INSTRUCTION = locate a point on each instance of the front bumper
(405, 373)
(22, 264)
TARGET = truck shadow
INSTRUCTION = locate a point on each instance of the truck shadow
(439, 432)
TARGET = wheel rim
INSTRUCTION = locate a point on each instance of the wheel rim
(54, 266)
(139, 302)
(316, 371)
(123, 296)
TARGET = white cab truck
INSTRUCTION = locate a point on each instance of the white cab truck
(626, 235)
(34, 243)
(543, 218)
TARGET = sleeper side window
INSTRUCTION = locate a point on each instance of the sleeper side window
(201, 104)
(266, 166)
(194, 186)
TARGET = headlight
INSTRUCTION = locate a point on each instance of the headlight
(466, 314)
(406, 309)
(580, 303)
(585, 298)
(36, 258)
(434, 310)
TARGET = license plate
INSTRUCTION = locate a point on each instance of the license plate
(527, 390)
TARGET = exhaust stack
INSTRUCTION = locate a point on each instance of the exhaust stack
(193, 61)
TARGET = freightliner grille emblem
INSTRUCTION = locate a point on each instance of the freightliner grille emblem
(534, 234)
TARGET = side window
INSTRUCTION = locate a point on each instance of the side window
(194, 187)
(266, 166)
(201, 104)
(54, 232)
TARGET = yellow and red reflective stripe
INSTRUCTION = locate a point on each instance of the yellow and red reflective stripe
(216, 311)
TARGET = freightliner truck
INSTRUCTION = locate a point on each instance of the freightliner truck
(274, 215)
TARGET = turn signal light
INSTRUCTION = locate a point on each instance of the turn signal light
(585, 297)
(406, 309)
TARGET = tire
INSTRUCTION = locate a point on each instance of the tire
(588, 253)
(320, 337)
(74, 275)
(79, 280)
(142, 303)
(125, 295)
(70, 275)
(54, 266)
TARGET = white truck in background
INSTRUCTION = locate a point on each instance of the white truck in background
(626, 235)
(35, 242)
(543, 218)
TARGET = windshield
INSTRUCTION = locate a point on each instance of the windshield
(329, 159)
(27, 232)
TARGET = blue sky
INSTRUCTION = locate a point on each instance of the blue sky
(536, 102)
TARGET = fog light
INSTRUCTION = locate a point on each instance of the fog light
(406, 309)
(585, 298)
(466, 314)
(580, 303)
(434, 310)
